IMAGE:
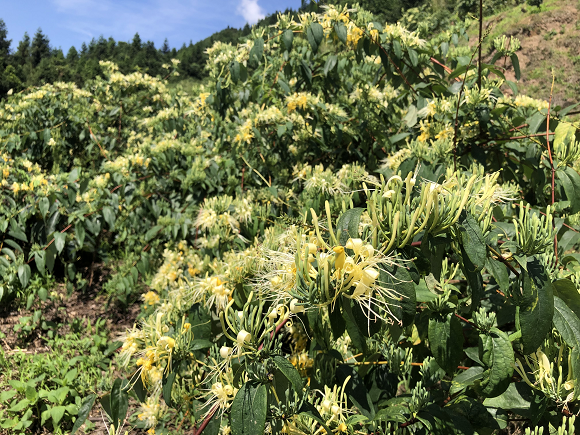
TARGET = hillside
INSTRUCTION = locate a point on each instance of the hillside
(549, 40)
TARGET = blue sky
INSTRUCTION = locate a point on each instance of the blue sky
(72, 22)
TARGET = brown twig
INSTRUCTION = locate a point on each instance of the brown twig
(465, 320)
(552, 164)
(456, 125)
(207, 419)
(503, 260)
(479, 46)
(96, 140)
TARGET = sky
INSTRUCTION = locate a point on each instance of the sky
(72, 22)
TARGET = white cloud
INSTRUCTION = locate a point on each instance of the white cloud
(251, 11)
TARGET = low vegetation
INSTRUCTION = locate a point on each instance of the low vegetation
(348, 228)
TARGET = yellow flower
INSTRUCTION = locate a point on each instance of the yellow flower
(150, 298)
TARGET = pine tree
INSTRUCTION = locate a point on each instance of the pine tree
(136, 44)
(4, 41)
(165, 48)
(22, 55)
(40, 48)
(72, 55)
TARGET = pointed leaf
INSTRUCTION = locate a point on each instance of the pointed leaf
(249, 409)
(290, 372)
(84, 412)
(347, 226)
(446, 341)
(536, 306)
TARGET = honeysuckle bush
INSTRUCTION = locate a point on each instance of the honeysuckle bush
(349, 229)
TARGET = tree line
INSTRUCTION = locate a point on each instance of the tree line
(34, 61)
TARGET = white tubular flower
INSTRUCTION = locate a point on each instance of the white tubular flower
(225, 352)
(243, 337)
(388, 194)
(369, 276)
(354, 244)
(272, 315)
(295, 307)
(367, 251)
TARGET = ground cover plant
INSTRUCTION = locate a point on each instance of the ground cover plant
(349, 229)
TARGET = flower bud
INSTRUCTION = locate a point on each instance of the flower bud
(340, 257)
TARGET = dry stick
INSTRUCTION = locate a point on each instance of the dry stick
(457, 110)
(391, 61)
(207, 419)
(552, 163)
(96, 140)
(479, 46)
(503, 260)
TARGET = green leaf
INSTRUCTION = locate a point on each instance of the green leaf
(352, 327)
(235, 71)
(330, 63)
(465, 379)
(167, 387)
(516, 65)
(109, 216)
(341, 32)
(80, 233)
(249, 409)
(399, 281)
(24, 274)
(347, 226)
(119, 402)
(306, 71)
(567, 323)
(23, 404)
(536, 306)
(43, 205)
(564, 134)
(566, 290)
(39, 261)
(573, 188)
(413, 56)
(290, 372)
(495, 351)
(139, 388)
(411, 116)
(472, 240)
(84, 412)
(31, 393)
(314, 35)
(516, 398)
(57, 413)
(474, 279)
(43, 294)
(10, 253)
(152, 233)
(500, 273)
(309, 410)
(287, 38)
(256, 53)
(5, 396)
(446, 341)
(59, 239)
(397, 49)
